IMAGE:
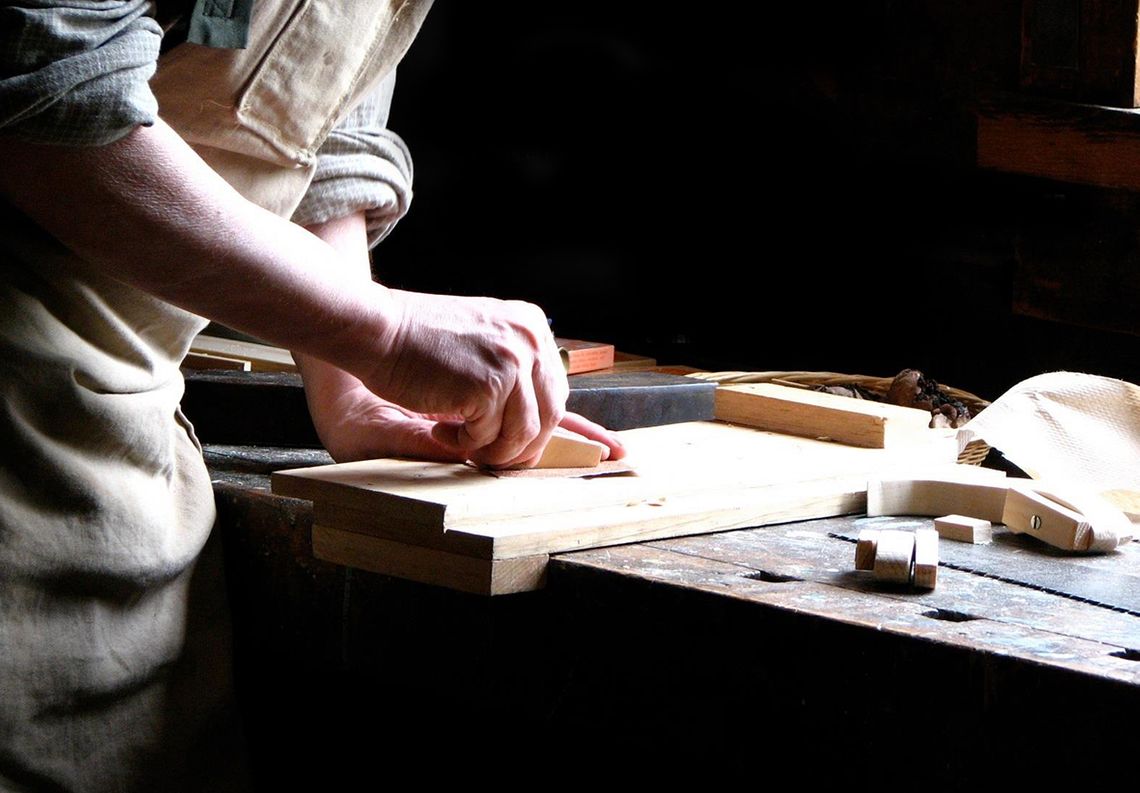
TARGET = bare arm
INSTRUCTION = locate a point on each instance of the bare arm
(352, 422)
(149, 212)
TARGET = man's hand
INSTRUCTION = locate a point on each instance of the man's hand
(355, 424)
(481, 343)
(481, 376)
(492, 363)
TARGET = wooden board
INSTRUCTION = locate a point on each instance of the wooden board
(1083, 50)
(690, 478)
(812, 414)
(201, 360)
(1085, 144)
(429, 566)
(261, 357)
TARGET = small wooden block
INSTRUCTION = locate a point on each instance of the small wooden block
(964, 529)
(570, 450)
(865, 549)
(585, 356)
(811, 414)
(925, 558)
(894, 556)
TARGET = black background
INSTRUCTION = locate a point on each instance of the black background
(786, 190)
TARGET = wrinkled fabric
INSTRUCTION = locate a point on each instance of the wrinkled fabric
(114, 633)
(361, 166)
(76, 73)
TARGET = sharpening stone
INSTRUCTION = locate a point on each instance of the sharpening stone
(628, 400)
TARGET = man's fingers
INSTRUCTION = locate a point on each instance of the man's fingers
(595, 432)
(521, 426)
(417, 438)
(482, 429)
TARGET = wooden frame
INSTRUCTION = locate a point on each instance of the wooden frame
(1084, 50)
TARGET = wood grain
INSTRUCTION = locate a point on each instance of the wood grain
(428, 565)
(1028, 512)
(983, 497)
(579, 355)
(962, 528)
(925, 558)
(1085, 144)
(894, 556)
(201, 360)
(262, 357)
(691, 478)
(812, 414)
(570, 450)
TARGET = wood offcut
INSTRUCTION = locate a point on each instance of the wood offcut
(812, 414)
(897, 556)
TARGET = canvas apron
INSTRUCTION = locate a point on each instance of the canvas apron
(114, 646)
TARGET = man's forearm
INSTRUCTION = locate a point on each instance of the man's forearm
(149, 212)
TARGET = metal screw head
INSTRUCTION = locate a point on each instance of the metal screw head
(1035, 522)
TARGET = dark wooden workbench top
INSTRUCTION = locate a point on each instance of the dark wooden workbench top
(757, 648)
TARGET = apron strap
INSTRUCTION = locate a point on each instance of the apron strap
(221, 23)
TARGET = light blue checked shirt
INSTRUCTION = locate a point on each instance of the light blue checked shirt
(76, 73)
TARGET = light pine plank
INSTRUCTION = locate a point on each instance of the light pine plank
(812, 414)
(935, 497)
(201, 360)
(428, 565)
(262, 357)
(691, 479)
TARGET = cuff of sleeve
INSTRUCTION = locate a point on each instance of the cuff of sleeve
(93, 92)
(369, 171)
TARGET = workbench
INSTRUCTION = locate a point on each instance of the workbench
(756, 651)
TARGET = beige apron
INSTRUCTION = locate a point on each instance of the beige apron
(114, 670)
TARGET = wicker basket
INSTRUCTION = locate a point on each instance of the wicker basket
(974, 453)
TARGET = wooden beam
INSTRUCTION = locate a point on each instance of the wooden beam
(428, 565)
(938, 497)
(1085, 50)
(812, 414)
(201, 360)
(1068, 142)
(262, 357)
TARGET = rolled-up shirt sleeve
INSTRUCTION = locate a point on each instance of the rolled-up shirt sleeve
(76, 72)
(362, 165)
